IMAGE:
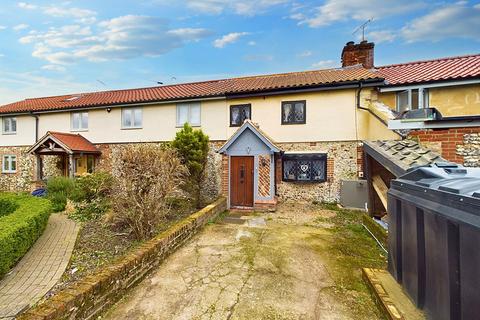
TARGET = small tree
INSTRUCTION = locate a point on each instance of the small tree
(192, 146)
(149, 175)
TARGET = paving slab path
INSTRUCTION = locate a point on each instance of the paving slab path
(242, 268)
(40, 269)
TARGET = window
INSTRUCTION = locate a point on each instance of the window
(90, 164)
(305, 167)
(293, 112)
(131, 118)
(240, 113)
(9, 125)
(79, 121)
(9, 164)
(188, 113)
(412, 99)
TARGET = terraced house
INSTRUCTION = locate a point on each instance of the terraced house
(294, 135)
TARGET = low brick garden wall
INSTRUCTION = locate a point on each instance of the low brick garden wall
(89, 298)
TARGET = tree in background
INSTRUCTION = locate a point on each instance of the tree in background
(192, 147)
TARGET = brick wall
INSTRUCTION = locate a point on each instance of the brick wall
(460, 145)
(225, 175)
(90, 297)
(264, 175)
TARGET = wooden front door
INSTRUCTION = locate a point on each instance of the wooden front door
(241, 181)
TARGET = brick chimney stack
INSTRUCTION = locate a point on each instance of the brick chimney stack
(362, 53)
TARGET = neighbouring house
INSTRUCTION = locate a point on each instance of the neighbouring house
(281, 136)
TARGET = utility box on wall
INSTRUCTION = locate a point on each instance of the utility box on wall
(434, 236)
(354, 193)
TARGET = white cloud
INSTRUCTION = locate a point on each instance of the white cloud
(79, 15)
(54, 67)
(455, 21)
(305, 54)
(3, 28)
(20, 26)
(379, 36)
(325, 64)
(27, 6)
(123, 37)
(228, 39)
(2, 55)
(344, 10)
(240, 7)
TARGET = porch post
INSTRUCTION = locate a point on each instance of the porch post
(38, 171)
(70, 166)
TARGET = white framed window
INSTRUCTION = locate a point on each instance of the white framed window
(9, 164)
(9, 125)
(189, 113)
(79, 121)
(412, 99)
(132, 118)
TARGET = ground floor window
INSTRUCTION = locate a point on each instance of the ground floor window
(9, 164)
(305, 167)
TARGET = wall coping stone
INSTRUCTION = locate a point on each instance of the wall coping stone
(90, 297)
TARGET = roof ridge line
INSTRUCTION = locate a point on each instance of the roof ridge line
(428, 60)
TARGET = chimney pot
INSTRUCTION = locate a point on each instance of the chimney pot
(361, 53)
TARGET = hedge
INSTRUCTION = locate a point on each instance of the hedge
(20, 229)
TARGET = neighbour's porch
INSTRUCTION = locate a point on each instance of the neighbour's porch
(77, 155)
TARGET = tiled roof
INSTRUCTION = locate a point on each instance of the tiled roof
(75, 142)
(204, 89)
(401, 155)
(452, 68)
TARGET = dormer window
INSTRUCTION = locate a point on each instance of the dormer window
(412, 99)
(9, 125)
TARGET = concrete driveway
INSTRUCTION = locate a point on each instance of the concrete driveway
(254, 267)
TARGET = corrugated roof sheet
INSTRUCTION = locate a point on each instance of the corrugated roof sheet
(451, 68)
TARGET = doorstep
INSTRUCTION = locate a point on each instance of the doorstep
(389, 295)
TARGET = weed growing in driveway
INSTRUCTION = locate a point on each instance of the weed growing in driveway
(350, 249)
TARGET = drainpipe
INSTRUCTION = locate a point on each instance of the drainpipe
(360, 87)
(36, 124)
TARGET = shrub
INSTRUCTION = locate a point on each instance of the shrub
(7, 206)
(192, 146)
(20, 229)
(149, 175)
(58, 191)
(91, 195)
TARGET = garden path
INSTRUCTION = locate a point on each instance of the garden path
(262, 266)
(40, 269)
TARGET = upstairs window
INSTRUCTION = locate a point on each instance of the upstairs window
(132, 118)
(9, 164)
(79, 121)
(240, 113)
(188, 113)
(305, 167)
(293, 112)
(412, 99)
(9, 125)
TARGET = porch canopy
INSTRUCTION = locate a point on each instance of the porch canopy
(62, 144)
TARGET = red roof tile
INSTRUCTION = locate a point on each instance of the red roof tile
(452, 68)
(203, 89)
(74, 142)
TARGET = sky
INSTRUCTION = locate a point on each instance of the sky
(59, 47)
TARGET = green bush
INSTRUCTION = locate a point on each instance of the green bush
(7, 206)
(91, 195)
(20, 229)
(58, 191)
(192, 147)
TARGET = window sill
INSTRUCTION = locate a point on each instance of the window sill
(304, 181)
(9, 133)
(131, 128)
(78, 130)
(9, 172)
(191, 125)
(292, 123)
